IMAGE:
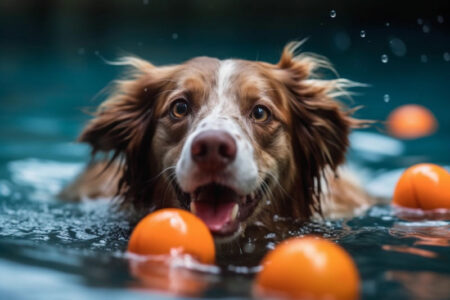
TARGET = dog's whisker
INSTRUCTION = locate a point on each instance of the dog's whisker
(162, 172)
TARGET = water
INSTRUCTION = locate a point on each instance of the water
(53, 250)
(333, 13)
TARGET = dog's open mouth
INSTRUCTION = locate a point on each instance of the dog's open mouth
(222, 208)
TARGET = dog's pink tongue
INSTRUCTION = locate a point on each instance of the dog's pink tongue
(215, 215)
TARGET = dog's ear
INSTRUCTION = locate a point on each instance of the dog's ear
(320, 125)
(122, 119)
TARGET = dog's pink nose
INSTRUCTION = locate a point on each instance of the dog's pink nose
(212, 150)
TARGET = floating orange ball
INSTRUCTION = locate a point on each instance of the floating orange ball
(173, 230)
(424, 186)
(411, 121)
(308, 268)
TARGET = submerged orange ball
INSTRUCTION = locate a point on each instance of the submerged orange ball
(411, 121)
(310, 268)
(425, 186)
(168, 230)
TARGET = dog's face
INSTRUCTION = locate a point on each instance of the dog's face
(224, 128)
(229, 140)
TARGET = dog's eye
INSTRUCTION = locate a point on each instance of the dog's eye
(260, 114)
(179, 109)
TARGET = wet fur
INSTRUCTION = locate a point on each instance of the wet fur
(300, 153)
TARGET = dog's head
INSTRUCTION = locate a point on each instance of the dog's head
(230, 140)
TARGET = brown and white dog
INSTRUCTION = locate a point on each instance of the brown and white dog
(233, 141)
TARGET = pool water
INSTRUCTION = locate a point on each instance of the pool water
(50, 249)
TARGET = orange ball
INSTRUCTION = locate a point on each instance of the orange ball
(310, 268)
(425, 186)
(173, 230)
(411, 121)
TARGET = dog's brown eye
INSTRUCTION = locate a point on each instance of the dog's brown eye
(179, 109)
(260, 114)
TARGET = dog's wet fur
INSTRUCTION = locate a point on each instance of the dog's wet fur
(237, 142)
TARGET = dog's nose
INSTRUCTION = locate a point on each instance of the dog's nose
(212, 150)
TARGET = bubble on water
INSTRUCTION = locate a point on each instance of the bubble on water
(384, 58)
(426, 28)
(397, 46)
(362, 33)
(388, 24)
(387, 218)
(419, 21)
(440, 19)
(386, 98)
(174, 36)
(446, 56)
(424, 58)
(333, 13)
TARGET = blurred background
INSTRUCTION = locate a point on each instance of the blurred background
(52, 67)
(51, 51)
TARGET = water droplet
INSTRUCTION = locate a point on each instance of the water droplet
(249, 247)
(440, 19)
(145, 2)
(388, 24)
(424, 58)
(426, 28)
(270, 236)
(270, 246)
(362, 34)
(446, 56)
(333, 13)
(81, 51)
(384, 58)
(96, 52)
(145, 90)
(397, 46)
(419, 21)
(386, 98)
(174, 36)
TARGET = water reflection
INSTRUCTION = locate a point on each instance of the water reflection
(424, 235)
(177, 276)
(422, 285)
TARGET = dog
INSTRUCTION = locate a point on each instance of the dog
(235, 142)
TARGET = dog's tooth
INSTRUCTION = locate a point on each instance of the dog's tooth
(252, 195)
(234, 212)
(193, 207)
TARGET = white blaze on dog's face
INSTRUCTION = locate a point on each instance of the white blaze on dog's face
(216, 166)
(220, 120)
